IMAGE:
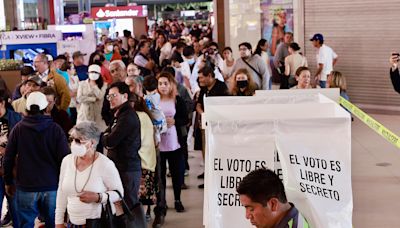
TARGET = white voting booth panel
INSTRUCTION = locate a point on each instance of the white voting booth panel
(313, 139)
(331, 93)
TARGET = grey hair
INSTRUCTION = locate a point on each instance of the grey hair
(87, 130)
(121, 64)
(136, 79)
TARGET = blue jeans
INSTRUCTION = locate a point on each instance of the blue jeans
(31, 204)
(11, 203)
(322, 84)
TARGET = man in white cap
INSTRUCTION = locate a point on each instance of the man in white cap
(36, 147)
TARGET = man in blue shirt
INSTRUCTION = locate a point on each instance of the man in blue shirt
(80, 68)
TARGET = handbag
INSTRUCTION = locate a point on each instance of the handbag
(106, 220)
(134, 218)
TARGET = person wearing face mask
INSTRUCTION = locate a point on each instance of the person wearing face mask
(187, 65)
(88, 179)
(59, 116)
(242, 84)
(254, 64)
(108, 49)
(90, 96)
(38, 145)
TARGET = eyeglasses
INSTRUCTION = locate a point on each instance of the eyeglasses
(109, 97)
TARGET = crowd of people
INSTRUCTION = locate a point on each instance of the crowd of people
(127, 114)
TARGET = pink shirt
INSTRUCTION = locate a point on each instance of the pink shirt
(169, 139)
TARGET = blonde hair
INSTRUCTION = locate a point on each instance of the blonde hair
(338, 81)
(251, 87)
(171, 79)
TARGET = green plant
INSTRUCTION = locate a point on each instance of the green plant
(10, 64)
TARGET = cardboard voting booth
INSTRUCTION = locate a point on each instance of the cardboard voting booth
(305, 137)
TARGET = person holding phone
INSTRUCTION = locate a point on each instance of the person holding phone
(394, 71)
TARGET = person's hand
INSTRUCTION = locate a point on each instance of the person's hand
(170, 122)
(89, 197)
(10, 190)
(394, 60)
(2, 150)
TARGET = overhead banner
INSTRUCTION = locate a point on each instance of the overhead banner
(307, 144)
(30, 37)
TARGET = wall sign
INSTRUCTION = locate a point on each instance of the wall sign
(118, 12)
(30, 37)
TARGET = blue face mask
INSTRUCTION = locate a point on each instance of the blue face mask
(191, 61)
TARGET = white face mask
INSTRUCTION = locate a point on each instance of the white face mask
(94, 76)
(110, 48)
(78, 150)
(191, 61)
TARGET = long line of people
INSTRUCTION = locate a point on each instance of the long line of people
(137, 102)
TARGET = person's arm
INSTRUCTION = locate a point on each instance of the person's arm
(63, 92)
(287, 66)
(9, 161)
(81, 98)
(262, 68)
(119, 131)
(112, 181)
(394, 73)
(319, 70)
(61, 202)
(181, 115)
(335, 59)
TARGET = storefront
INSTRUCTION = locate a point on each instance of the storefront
(109, 20)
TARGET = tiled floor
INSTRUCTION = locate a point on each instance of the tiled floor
(376, 189)
(375, 175)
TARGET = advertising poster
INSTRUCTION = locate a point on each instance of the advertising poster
(276, 19)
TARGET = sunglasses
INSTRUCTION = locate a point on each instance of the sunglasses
(79, 141)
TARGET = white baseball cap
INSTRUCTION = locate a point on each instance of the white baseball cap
(94, 68)
(36, 98)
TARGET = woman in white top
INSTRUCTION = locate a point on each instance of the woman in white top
(262, 51)
(90, 97)
(73, 86)
(87, 179)
(163, 47)
(293, 61)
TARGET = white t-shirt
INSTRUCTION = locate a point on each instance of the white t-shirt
(104, 177)
(326, 56)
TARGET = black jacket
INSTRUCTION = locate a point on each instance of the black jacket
(122, 139)
(40, 145)
(395, 77)
(181, 119)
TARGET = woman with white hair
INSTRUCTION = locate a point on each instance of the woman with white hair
(87, 179)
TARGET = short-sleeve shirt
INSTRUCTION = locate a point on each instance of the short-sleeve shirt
(326, 56)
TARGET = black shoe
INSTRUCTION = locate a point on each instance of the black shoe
(178, 206)
(184, 186)
(201, 176)
(201, 186)
(158, 221)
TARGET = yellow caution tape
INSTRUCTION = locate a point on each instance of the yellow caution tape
(371, 122)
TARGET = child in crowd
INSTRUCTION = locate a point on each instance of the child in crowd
(152, 99)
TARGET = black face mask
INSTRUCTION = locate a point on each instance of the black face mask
(242, 84)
